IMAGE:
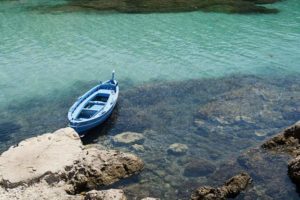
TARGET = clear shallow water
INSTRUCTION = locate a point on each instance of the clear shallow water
(48, 59)
(44, 52)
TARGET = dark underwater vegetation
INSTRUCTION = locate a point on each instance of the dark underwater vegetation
(163, 6)
(221, 120)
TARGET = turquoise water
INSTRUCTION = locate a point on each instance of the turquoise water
(229, 67)
(44, 52)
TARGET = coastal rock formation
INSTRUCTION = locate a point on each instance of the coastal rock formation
(59, 164)
(127, 138)
(286, 141)
(35, 157)
(177, 149)
(230, 189)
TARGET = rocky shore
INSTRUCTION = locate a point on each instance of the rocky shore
(57, 166)
(201, 138)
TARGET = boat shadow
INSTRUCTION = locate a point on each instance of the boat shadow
(92, 135)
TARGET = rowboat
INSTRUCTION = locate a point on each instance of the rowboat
(94, 107)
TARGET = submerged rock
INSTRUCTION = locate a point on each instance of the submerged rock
(127, 138)
(161, 6)
(177, 149)
(59, 162)
(230, 189)
(232, 111)
(199, 167)
(138, 147)
(250, 111)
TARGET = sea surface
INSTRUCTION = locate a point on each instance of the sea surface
(219, 83)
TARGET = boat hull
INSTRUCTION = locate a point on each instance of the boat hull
(94, 107)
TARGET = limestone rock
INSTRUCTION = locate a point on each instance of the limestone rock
(37, 191)
(34, 157)
(230, 189)
(112, 194)
(127, 138)
(177, 149)
(150, 198)
(58, 164)
(102, 167)
(42, 191)
(199, 167)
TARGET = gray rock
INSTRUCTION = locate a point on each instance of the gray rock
(127, 138)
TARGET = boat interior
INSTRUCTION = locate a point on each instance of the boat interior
(94, 105)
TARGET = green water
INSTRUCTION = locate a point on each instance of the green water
(242, 66)
(44, 52)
